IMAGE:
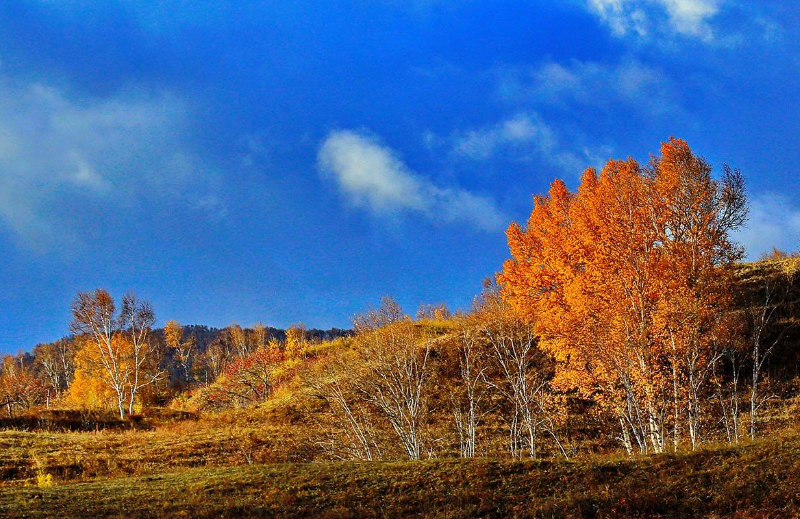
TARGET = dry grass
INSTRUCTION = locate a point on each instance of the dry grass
(760, 479)
(233, 438)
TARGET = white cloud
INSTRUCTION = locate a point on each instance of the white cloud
(371, 176)
(60, 154)
(521, 134)
(522, 129)
(645, 17)
(774, 222)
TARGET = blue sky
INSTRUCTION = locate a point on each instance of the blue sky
(294, 161)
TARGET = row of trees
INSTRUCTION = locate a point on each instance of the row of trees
(391, 387)
(116, 359)
(250, 375)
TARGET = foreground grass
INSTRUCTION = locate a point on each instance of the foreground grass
(237, 438)
(760, 479)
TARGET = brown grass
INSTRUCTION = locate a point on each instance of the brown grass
(760, 479)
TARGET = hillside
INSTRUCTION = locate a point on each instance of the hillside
(779, 281)
(752, 480)
(276, 457)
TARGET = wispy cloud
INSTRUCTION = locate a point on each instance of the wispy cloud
(774, 222)
(520, 130)
(646, 18)
(522, 134)
(371, 176)
(628, 82)
(571, 93)
(60, 154)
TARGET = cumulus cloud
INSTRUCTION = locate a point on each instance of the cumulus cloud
(60, 153)
(372, 177)
(645, 17)
(522, 134)
(774, 222)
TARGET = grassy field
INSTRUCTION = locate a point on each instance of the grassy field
(759, 479)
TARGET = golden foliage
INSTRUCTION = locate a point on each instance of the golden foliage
(625, 280)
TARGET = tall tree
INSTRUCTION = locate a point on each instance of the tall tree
(136, 322)
(625, 281)
(119, 345)
(94, 316)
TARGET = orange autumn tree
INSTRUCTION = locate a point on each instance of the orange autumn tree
(696, 217)
(92, 387)
(20, 389)
(625, 282)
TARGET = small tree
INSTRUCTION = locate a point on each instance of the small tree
(296, 340)
(214, 360)
(56, 363)
(436, 312)
(396, 374)
(355, 434)
(20, 389)
(387, 313)
(523, 381)
(182, 348)
(238, 340)
(468, 402)
(258, 336)
(762, 310)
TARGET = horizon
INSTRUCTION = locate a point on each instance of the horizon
(294, 163)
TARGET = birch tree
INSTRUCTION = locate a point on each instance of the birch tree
(56, 362)
(136, 322)
(762, 313)
(118, 345)
(624, 281)
(468, 403)
(94, 316)
(335, 383)
(396, 375)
